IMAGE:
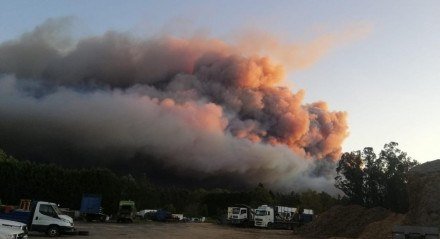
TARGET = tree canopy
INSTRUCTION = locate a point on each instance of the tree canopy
(373, 180)
(65, 186)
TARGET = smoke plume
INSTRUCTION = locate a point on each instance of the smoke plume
(197, 107)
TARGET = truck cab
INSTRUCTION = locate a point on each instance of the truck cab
(276, 217)
(43, 217)
(264, 216)
(48, 218)
(127, 211)
(240, 214)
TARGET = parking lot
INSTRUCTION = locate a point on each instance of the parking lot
(172, 230)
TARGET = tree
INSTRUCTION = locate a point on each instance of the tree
(350, 177)
(372, 181)
(397, 165)
(261, 195)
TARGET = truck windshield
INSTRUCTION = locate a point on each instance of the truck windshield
(49, 210)
(126, 208)
(260, 213)
(57, 210)
(236, 210)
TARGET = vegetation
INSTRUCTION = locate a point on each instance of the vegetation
(365, 178)
(370, 180)
(30, 180)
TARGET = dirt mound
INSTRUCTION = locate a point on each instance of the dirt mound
(343, 221)
(382, 229)
(424, 195)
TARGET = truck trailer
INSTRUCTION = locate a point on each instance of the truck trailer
(306, 216)
(91, 208)
(42, 217)
(276, 217)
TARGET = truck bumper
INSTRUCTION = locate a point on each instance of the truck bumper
(22, 236)
(67, 229)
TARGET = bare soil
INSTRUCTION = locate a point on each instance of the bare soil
(173, 230)
(343, 221)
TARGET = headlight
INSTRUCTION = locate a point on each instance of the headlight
(12, 236)
(25, 229)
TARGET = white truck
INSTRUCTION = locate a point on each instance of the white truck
(241, 215)
(276, 217)
(10, 229)
(43, 217)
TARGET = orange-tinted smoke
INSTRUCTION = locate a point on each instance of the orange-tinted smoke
(240, 79)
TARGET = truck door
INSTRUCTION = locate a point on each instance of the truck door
(243, 213)
(44, 216)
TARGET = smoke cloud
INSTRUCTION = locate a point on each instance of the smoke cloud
(200, 106)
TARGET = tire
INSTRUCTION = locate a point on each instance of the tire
(53, 231)
(269, 225)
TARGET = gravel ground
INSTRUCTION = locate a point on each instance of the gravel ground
(173, 230)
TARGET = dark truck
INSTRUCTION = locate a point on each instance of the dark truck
(127, 211)
(91, 208)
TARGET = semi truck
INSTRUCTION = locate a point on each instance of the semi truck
(241, 215)
(276, 217)
(42, 217)
(11, 229)
(91, 208)
(127, 211)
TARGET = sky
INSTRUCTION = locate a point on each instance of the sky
(388, 80)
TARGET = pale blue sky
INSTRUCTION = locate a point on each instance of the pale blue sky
(388, 81)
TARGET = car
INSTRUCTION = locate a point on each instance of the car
(13, 230)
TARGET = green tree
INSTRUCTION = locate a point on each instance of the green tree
(372, 181)
(397, 165)
(318, 201)
(261, 195)
(350, 178)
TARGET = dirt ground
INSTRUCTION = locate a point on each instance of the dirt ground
(172, 230)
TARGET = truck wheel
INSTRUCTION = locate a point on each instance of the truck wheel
(269, 225)
(53, 231)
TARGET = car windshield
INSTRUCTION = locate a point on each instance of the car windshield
(260, 212)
